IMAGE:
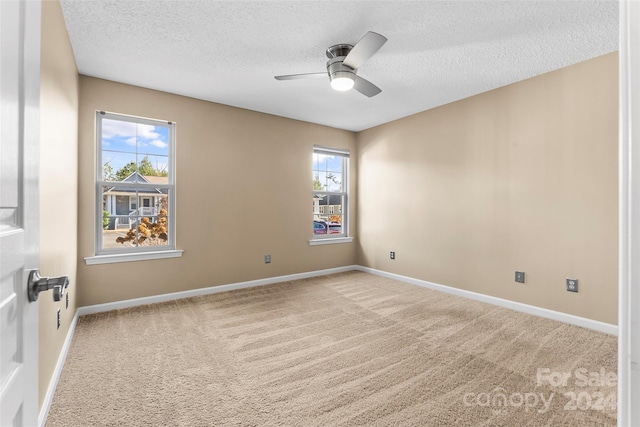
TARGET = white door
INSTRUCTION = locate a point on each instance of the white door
(19, 162)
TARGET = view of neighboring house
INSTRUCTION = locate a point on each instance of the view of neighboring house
(125, 205)
(326, 206)
(327, 214)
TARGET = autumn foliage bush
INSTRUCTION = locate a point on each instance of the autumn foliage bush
(147, 233)
(335, 218)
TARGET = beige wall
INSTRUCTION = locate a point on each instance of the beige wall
(243, 191)
(520, 178)
(58, 183)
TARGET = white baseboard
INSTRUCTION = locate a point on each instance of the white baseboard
(208, 291)
(513, 305)
(53, 383)
(517, 306)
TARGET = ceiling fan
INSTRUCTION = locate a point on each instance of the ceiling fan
(344, 61)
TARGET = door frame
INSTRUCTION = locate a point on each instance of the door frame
(629, 216)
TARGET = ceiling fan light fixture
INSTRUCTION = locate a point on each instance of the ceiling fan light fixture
(342, 81)
(344, 62)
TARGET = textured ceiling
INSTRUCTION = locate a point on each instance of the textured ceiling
(438, 51)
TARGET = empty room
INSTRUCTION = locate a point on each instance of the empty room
(319, 213)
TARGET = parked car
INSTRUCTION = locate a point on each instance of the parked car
(321, 227)
(335, 228)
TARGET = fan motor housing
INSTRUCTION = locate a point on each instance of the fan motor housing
(335, 67)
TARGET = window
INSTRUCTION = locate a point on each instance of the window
(135, 185)
(330, 193)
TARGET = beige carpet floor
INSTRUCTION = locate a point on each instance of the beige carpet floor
(349, 349)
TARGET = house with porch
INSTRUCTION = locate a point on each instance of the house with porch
(125, 205)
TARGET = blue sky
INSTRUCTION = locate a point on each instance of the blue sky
(326, 165)
(124, 142)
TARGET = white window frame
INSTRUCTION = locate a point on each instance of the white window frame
(343, 237)
(136, 253)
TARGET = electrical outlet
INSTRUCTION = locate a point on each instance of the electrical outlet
(392, 255)
(58, 320)
(519, 276)
(572, 285)
(267, 259)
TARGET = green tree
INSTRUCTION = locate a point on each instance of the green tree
(107, 172)
(145, 168)
(105, 219)
(317, 185)
(125, 171)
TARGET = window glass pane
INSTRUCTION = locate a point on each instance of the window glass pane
(329, 210)
(126, 136)
(129, 147)
(328, 214)
(328, 172)
(135, 217)
(134, 152)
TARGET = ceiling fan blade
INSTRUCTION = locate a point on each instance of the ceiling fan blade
(369, 44)
(301, 76)
(365, 87)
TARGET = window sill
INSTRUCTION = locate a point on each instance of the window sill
(139, 256)
(330, 241)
